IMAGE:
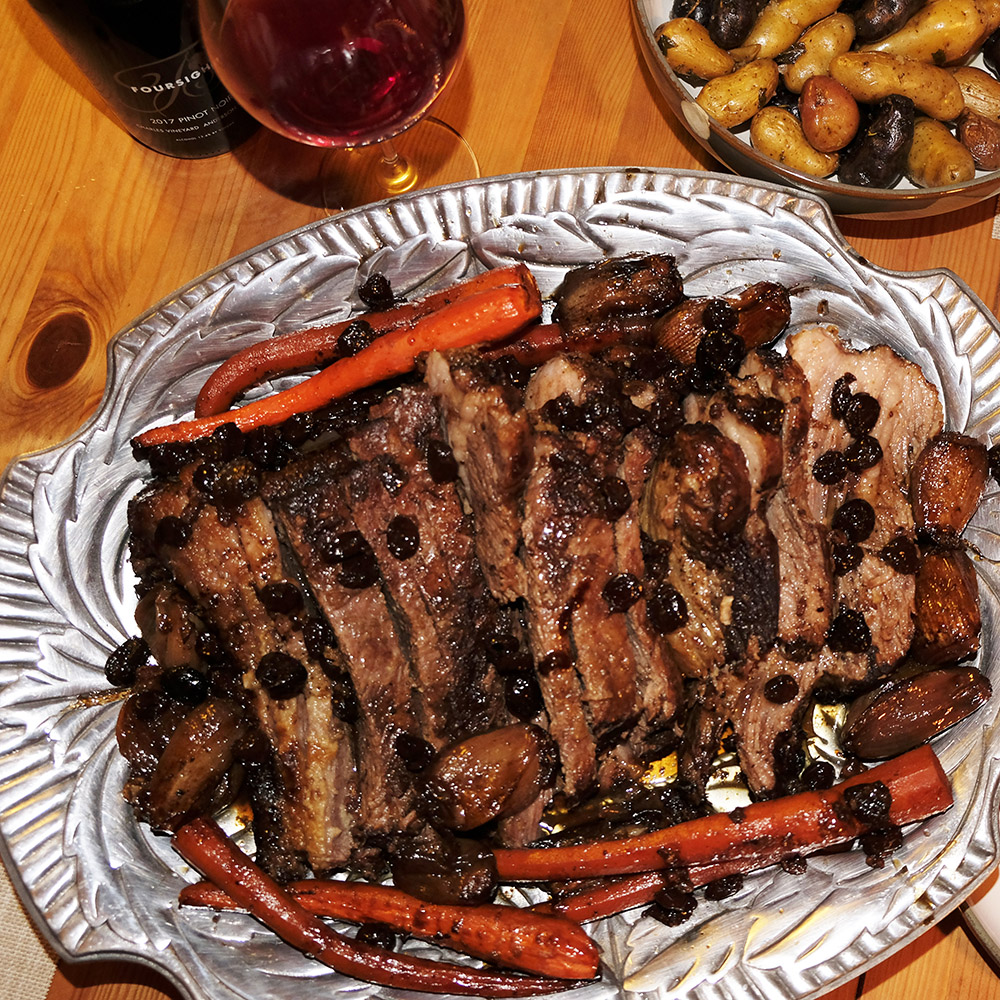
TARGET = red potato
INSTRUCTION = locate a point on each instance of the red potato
(830, 116)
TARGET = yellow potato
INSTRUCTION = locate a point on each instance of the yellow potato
(942, 32)
(980, 90)
(690, 51)
(937, 158)
(870, 76)
(782, 22)
(823, 41)
(738, 96)
(830, 116)
(776, 133)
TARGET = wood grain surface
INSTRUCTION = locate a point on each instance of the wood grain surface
(96, 229)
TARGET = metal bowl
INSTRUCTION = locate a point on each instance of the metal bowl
(732, 147)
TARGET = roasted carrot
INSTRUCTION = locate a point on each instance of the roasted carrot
(204, 845)
(507, 936)
(793, 824)
(615, 895)
(487, 315)
(319, 346)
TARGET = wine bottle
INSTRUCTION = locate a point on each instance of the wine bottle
(146, 59)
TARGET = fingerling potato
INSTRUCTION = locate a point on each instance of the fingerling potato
(690, 51)
(830, 116)
(980, 91)
(776, 133)
(870, 77)
(782, 22)
(735, 98)
(936, 157)
(823, 41)
(942, 32)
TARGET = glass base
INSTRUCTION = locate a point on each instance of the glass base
(426, 155)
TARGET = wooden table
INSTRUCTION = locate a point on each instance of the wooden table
(97, 228)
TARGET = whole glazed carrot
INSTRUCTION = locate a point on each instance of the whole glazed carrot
(204, 845)
(793, 824)
(486, 315)
(507, 936)
(320, 345)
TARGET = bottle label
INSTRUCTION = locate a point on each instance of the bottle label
(174, 96)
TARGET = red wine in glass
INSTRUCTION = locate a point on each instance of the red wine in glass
(336, 73)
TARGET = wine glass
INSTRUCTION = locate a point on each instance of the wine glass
(356, 76)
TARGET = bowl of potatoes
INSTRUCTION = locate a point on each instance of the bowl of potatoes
(883, 108)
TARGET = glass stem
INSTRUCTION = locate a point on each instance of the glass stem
(395, 172)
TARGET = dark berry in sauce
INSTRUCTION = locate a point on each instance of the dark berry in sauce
(186, 685)
(281, 675)
(402, 537)
(376, 292)
(378, 935)
(166, 460)
(122, 665)
(665, 416)
(360, 569)
(344, 702)
(765, 415)
(319, 638)
(171, 531)
(673, 906)
(840, 397)
(720, 349)
(616, 498)
(354, 338)
(224, 443)
(845, 556)
(441, 462)
(781, 689)
(563, 413)
(794, 864)
(861, 414)
(621, 592)
(849, 632)
(234, 483)
(856, 519)
(869, 802)
(829, 468)
(522, 695)
(204, 477)
(863, 453)
(819, 775)
(993, 460)
(336, 546)
(880, 844)
(723, 888)
(267, 449)
(798, 650)
(391, 475)
(720, 316)
(666, 609)
(901, 554)
(706, 379)
(210, 648)
(298, 428)
(415, 753)
(282, 597)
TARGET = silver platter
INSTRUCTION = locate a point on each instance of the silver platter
(99, 884)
